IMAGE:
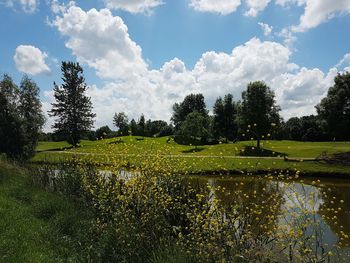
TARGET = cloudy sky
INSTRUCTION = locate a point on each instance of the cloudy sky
(141, 56)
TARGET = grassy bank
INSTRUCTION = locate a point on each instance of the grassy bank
(36, 225)
(204, 159)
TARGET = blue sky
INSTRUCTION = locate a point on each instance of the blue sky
(141, 56)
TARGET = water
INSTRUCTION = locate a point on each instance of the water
(327, 201)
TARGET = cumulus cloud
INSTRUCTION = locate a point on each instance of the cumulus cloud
(30, 60)
(255, 6)
(222, 7)
(100, 40)
(345, 61)
(27, 6)
(319, 11)
(299, 93)
(316, 12)
(134, 6)
(265, 28)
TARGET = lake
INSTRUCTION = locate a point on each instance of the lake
(325, 203)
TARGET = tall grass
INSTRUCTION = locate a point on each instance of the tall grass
(156, 214)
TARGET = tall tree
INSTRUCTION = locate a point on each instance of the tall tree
(133, 127)
(120, 120)
(72, 108)
(258, 111)
(11, 128)
(21, 117)
(194, 128)
(30, 109)
(224, 122)
(335, 108)
(141, 125)
(191, 103)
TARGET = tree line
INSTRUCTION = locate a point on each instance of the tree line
(256, 116)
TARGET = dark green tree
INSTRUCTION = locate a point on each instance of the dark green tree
(258, 111)
(30, 109)
(73, 109)
(103, 132)
(335, 108)
(191, 103)
(21, 117)
(133, 127)
(224, 121)
(194, 128)
(120, 120)
(11, 128)
(141, 125)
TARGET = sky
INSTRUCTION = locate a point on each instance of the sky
(142, 56)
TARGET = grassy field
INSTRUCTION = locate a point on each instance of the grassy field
(219, 157)
(35, 225)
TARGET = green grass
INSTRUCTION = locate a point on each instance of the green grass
(35, 225)
(206, 158)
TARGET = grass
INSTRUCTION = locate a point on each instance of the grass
(207, 158)
(35, 225)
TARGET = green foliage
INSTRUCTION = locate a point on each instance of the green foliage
(306, 128)
(30, 109)
(191, 103)
(103, 132)
(335, 108)
(258, 110)
(73, 109)
(21, 117)
(224, 121)
(120, 120)
(194, 129)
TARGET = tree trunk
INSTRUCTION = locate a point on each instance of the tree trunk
(258, 143)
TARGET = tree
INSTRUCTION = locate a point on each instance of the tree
(258, 110)
(120, 120)
(141, 126)
(133, 127)
(191, 103)
(224, 123)
(30, 109)
(11, 132)
(72, 108)
(194, 128)
(21, 117)
(103, 132)
(334, 109)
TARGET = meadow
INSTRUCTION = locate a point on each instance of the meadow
(223, 157)
(136, 199)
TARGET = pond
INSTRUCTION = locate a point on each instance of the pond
(326, 201)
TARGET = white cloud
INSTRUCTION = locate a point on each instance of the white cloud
(265, 28)
(317, 11)
(27, 6)
(222, 7)
(345, 61)
(299, 93)
(255, 6)
(134, 6)
(59, 8)
(30, 60)
(288, 37)
(100, 40)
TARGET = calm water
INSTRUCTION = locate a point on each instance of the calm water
(327, 198)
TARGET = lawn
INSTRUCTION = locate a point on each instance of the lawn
(205, 158)
(35, 225)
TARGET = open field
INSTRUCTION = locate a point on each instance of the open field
(208, 158)
(35, 225)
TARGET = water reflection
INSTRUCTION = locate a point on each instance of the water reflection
(277, 203)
